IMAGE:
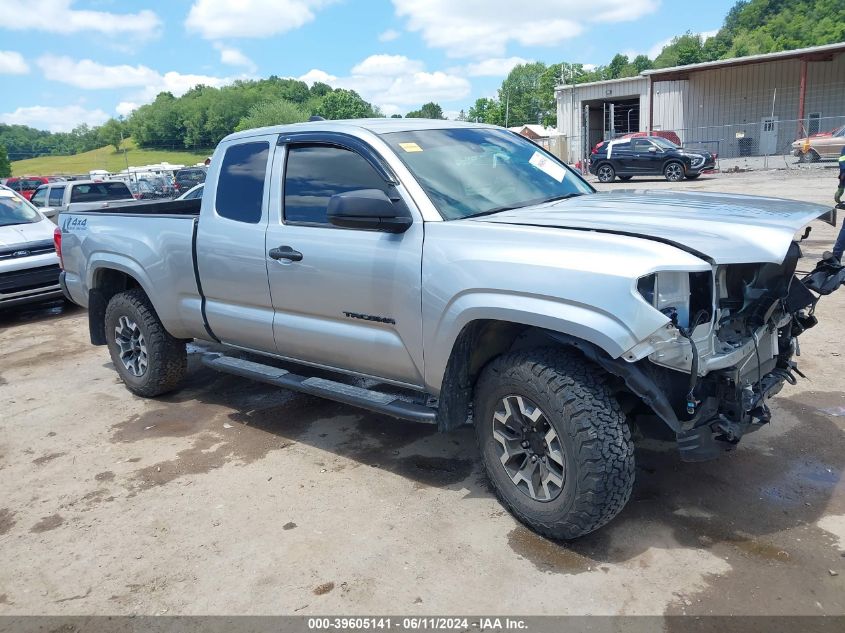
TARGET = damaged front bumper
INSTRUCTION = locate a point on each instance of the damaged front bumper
(730, 366)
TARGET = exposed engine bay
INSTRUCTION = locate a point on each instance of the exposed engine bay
(735, 340)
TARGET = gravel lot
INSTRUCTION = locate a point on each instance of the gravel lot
(234, 498)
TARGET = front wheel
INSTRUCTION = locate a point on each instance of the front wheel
(606, 173)
(674, 172)
(554, 441)
(148, 359)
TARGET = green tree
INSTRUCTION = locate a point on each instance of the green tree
(344, 104)
(5, 165)
(486, 110)
(272, 113)
(521, 95)
(685, 49)
(111, 133)
(429, 110)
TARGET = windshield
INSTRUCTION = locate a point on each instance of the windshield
(13, 210)
(662, 142)
(476, 171)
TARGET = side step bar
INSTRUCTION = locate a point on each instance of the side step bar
(376, 401)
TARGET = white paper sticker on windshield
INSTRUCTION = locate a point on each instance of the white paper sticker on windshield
(548, 166)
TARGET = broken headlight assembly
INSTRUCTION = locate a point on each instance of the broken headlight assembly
(686, 298)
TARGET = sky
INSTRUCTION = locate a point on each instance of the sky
(66, 62)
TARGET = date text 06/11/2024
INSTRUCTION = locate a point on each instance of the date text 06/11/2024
(416, 624)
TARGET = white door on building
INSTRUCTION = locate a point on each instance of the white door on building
(768, 135)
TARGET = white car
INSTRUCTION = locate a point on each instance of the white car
(193, 193)
(29, 266)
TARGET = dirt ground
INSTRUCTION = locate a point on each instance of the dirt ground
(231, 497)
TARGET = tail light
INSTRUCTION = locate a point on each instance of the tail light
(596, 148)
(57, 242)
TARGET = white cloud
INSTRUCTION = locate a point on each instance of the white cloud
(475, 28)
(495, 66)
(59, 16)
(655, 50)
(12, 63)
(706, 35)
(389, 35)
(234, 57)
(387, 66)
(91, 75)
(217, 19)
(125, 108)
(54, 118)
(393, 82)
(316, 75)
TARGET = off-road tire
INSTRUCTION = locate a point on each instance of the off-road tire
(594, 436)
(605, 173)
(673, 171)
(166, 355)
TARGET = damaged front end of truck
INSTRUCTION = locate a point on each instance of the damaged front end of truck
(731, 344)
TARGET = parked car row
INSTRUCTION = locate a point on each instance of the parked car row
(146, 187)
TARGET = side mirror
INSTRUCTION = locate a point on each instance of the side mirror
(652, 149)
(368, 209)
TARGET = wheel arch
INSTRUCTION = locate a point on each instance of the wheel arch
(105, 282)
(483, 340)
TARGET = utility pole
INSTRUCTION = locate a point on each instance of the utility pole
(125, 156)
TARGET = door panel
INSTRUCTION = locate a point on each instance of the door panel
(353, 300)
(768, 136)
(231, 257)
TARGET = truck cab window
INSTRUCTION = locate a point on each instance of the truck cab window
(39, 198)
(240, 186)
(314, 173)
(56, 196)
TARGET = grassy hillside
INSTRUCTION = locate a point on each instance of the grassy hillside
(103, 158)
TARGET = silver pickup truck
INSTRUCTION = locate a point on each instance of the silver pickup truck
(462, 274)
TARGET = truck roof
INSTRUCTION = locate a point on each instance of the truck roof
(376, 126)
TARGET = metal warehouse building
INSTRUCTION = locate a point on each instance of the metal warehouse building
(747, 106)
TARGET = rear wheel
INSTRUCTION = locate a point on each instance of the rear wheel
(148, 359)
(674, 172)
(554, 441)
(606, 173)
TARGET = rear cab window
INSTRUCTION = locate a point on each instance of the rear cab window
(56, 196)
(240, 185)
(100, 192)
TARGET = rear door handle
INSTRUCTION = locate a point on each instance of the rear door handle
(285, 252)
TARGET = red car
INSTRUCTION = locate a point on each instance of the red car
(26, 185)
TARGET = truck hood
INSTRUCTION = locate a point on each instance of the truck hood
(723, 228)
(22, 234)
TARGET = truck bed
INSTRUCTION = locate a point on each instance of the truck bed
(141, 207)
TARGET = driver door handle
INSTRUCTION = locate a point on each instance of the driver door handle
(285, 252)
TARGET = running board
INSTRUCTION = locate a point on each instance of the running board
(376, 401)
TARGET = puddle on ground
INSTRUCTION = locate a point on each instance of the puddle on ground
(40, 461)
(547, 555)
(7, 520)
(47, 523)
